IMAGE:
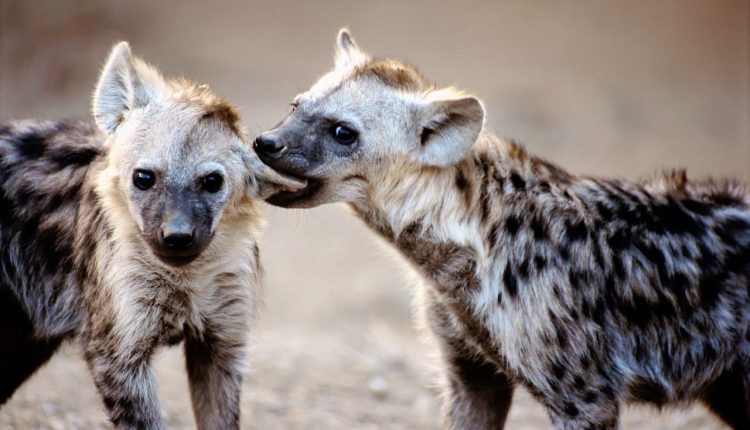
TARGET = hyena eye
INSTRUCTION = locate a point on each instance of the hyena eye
(144, 179)
(212, 182)
(343, 134)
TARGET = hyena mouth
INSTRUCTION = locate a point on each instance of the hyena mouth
(178, 261)
(288, 197)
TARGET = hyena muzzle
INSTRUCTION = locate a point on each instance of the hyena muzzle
(588, 292)
(135, 230)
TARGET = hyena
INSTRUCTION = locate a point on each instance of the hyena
(127, 232)
(588, 292)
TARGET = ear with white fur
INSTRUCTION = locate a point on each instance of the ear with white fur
(450, 126)
(125, 83)
(347, 51)
(263, 181)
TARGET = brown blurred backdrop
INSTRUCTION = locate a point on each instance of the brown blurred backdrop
(616, 88)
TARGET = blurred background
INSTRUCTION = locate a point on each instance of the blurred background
(605, 88)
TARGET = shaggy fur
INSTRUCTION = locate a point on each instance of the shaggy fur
(589, 292)
(79, 252)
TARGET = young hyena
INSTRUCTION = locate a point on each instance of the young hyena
(129, 232)
(588, 292)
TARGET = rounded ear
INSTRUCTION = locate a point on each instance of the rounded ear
(263, 181)
(449, 128)
(125, 83)
(347, 51)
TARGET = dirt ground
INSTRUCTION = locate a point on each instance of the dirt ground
(600, 87)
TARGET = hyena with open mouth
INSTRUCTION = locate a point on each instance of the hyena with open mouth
(135, 230)
(588, 292)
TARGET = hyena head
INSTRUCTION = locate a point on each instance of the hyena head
(176, 158)
(368, 121)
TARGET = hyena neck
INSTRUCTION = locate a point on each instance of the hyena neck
(431, 214)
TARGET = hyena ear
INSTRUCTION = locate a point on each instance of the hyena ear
(263, 181)
(347, 51)
(450, 125)
(125, 83)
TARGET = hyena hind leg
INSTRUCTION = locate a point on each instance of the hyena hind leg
(21, 354)
(729, 396)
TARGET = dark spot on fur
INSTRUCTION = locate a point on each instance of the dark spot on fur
(518, 182)
(564, 250)
(570, 409)
(618, 240)
(604, 211)
(79, 157)
(540, 262)
(576, 278)
(523, 269)
(731, 228)
(696, 207)
(558, 370)
(426, 134)
(539, 229)
(579, 383)
(510, 282)
(590, 396)
(576, 230)
(512, 224)
(562, 337)
(31, 145)
(672, 218)
(461, 182)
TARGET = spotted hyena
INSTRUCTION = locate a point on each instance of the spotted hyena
(588, 292)
(135, 230)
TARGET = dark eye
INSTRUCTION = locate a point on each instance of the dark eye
(212, 182)
(144, 179)
(343, 135)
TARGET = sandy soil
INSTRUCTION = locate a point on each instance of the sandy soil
(599, 89)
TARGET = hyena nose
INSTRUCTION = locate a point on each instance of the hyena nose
(177, 240)
(269, 148)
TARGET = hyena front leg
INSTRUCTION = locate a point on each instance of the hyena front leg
(479, 395)
(729, 396)
(215, 362)
(22, 354)
(569, 410)
(123, 376)
(21, 357)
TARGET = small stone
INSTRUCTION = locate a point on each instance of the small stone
(378, 387)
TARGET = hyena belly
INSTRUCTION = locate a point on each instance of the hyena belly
(43, 166)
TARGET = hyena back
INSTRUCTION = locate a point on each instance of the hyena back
(588, 292)
(129, 232)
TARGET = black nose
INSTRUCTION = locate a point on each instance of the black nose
(267, 147)
(178, 241)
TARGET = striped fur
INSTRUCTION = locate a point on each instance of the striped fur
(78, 255)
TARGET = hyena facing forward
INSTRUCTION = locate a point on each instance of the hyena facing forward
(129, 233)
(588, 292)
